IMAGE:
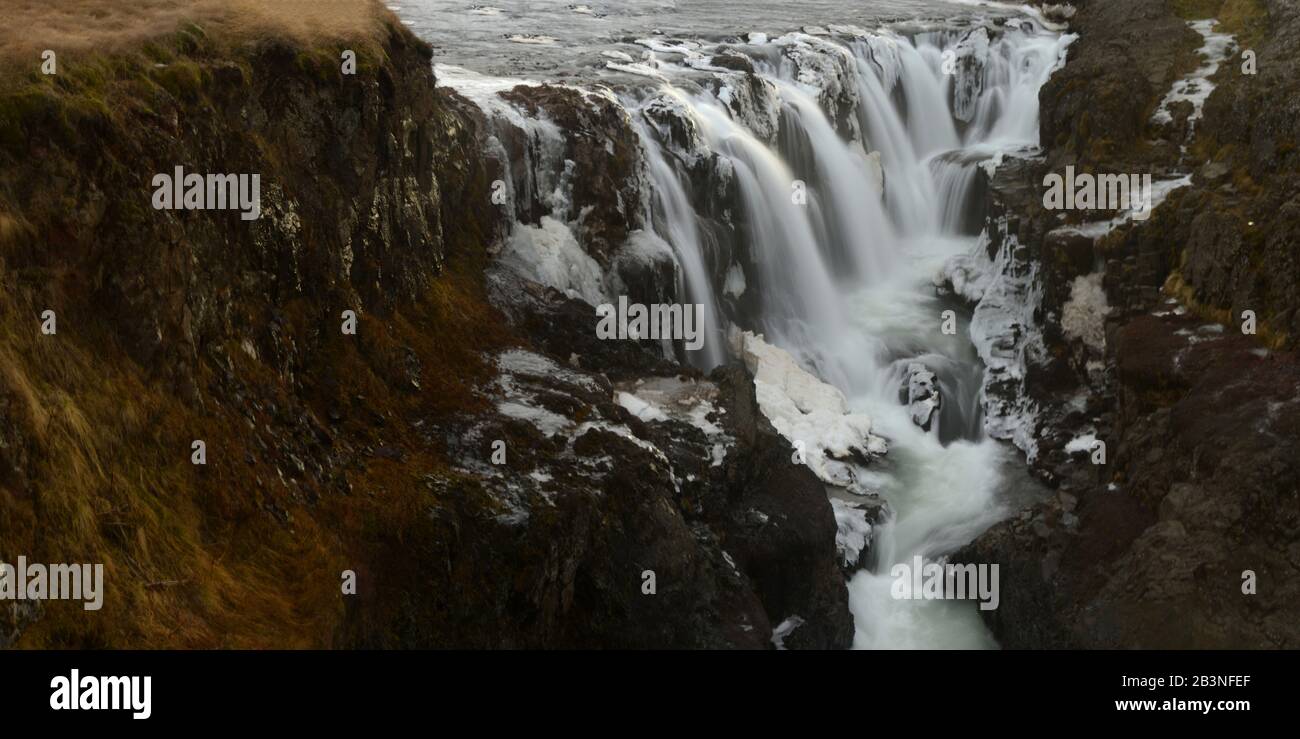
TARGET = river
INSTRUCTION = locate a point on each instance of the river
(857, 166)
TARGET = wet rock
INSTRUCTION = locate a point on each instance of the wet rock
(923, 396)
(1174, 517)
(734, 62)
(604, 157)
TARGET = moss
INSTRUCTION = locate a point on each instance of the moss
(26, 111)
(1244, 183)
(157, 52)
(1177, 287)
(187, 43)
(1247, 19)
(183, 79)
(1196, 9)
(195, 30)
(319, 64)
(12, 137)
(13, 229)
(88, 114)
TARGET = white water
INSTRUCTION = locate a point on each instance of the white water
(845, 280)
(1196, 87)
(683, 235)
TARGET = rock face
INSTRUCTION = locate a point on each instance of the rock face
(601, 163)
(1176, 530)
(738, 536)
(923, 397)
(374, 452)
(1095, 111)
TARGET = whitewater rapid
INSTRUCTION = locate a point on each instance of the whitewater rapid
(854, 159)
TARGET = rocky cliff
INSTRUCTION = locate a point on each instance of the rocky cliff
(1183, 532)
(462, 453)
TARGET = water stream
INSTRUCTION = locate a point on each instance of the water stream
(854, 158)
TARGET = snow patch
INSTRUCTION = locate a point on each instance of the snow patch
(853, 531)
(1196, 86)
(811, 414)
(1084, 314)
(784, 629)
(548, 253)
(1081, 443)
(641, 409)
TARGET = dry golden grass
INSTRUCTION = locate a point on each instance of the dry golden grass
(77, 26)
(94, 448)
(192, 558)
(185, 565)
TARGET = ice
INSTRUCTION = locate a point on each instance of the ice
(549, 254)
(808, 412)
(641, 409)
(1196, 87)
(853, 530)
(784, 629)
(547, 422)
(1084, 315)
(1081, 443)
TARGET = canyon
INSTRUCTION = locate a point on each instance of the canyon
(825, 428)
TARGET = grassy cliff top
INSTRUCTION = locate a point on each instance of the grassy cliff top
(110, 53)
(82, 30)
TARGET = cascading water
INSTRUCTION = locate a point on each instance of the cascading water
(849, 167)
(682, 233)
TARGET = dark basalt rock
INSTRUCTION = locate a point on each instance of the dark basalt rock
(566, 327)
(1199, 420)
(606, 160)
(779, 521)
(1197, 491)
(370, 452)
(770, 516)
(734, 62)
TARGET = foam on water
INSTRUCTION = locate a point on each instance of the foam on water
(889, 147)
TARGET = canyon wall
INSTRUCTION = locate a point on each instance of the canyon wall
(1185, 535)
(329, 453)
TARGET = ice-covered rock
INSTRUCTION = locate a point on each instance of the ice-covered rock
(1083, 317)
(1006, 294)
(968, 73)
(811, 414)
(853, 532)
(549, 253)
(923, 397)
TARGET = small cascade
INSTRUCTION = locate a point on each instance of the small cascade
(810, 188)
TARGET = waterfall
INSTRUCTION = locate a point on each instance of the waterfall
(681, 230)
(814, 199)
(861, 236)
